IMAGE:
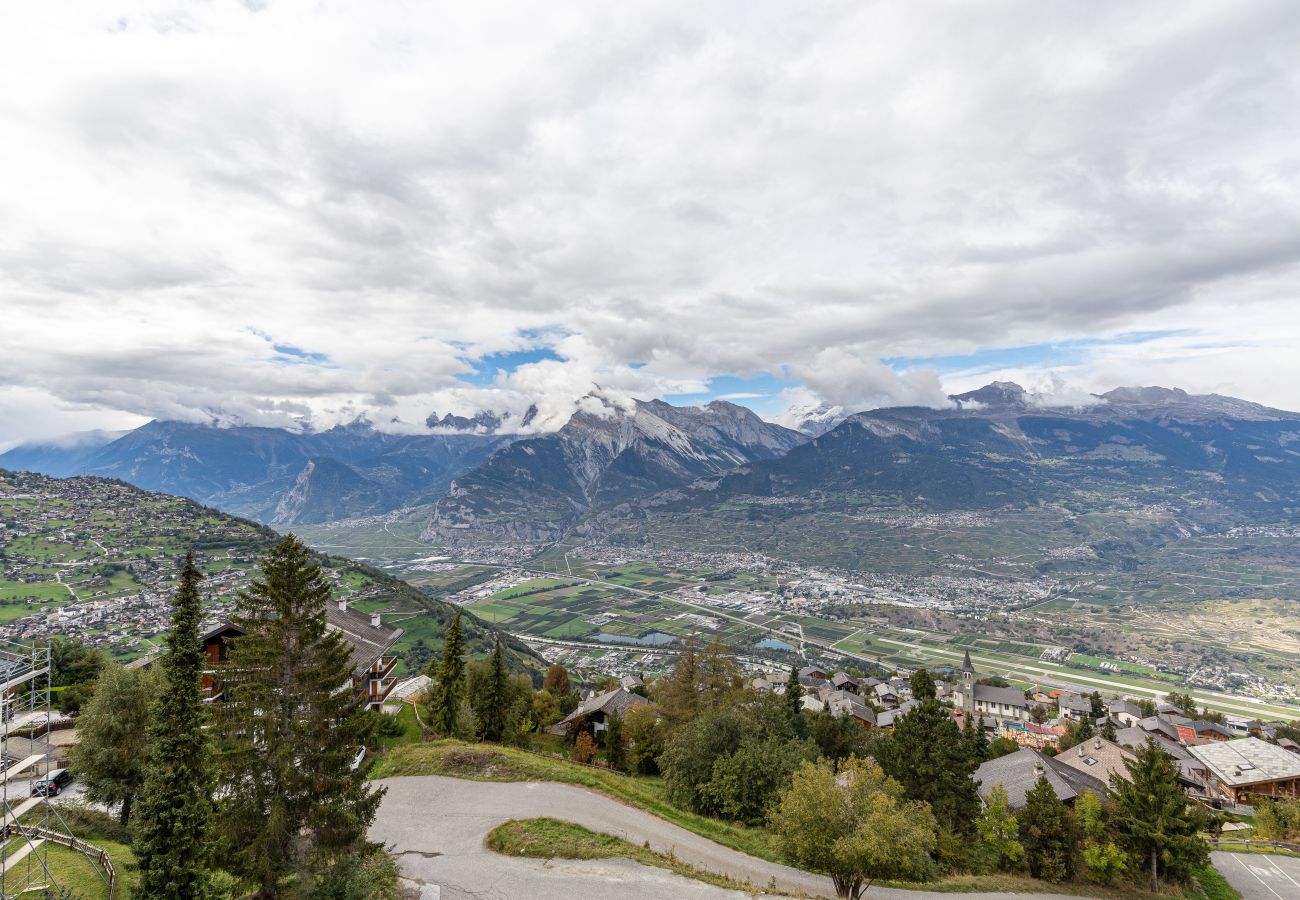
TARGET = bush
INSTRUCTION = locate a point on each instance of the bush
(368, 874)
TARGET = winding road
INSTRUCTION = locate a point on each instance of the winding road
(436, 828)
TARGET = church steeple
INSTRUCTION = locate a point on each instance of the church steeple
(966, 664)
(968, 685)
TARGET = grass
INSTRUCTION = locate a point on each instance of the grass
(458, 759)
(552, 839)
(1214, 886)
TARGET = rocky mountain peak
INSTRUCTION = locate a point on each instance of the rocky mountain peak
(996, 395)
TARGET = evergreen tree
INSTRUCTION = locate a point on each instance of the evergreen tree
(113, 737)
(975, 740)
(615, 743)
(1108, 730)
(448, 680)
(678, 695)
(290, 726)
(174, 819)
(720, 675)
(1153, 817)
(1098, 705)
(493, 708)
(794, 694)
(927, 756)
(1047, 831)
(923, 687)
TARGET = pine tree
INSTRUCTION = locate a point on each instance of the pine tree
(1048, 833)
(927, 756)
(975, 740)
(923, 687)
(1108, 730)
(174, 818)
(615, 744)
(1153, 816)
(793, 694)
(448, 680)
(290, 726)
(492, 708)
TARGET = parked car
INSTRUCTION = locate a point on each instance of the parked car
(52, 784)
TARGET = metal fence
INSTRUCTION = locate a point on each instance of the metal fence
(99, 854)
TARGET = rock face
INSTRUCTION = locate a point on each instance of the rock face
(536, 488)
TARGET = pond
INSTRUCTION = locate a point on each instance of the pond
(773, 644)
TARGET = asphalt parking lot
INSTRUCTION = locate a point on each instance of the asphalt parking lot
(1260, 876)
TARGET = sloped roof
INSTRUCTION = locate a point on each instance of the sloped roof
(615, 701)
(1007, 696)
(367, 642)
(1247, 761)
(1017, 773)
(1097, 757)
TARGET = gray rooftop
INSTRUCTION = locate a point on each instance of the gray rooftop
(1007, 696)
(1017, 774)
(1247, 761)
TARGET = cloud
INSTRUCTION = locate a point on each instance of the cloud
(296, 213)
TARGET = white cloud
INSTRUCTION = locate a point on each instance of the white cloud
(662, 192)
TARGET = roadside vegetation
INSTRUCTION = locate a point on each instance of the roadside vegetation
(765, 776)
(553, 839)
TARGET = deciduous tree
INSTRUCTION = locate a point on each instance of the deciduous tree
(113, 737)
(856, 829)
(999, 832)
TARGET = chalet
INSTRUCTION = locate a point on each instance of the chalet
(1018, 772)
(216, 651)
(1199, 731)
(842, 681)
(370, 640)
(1074, 706)
(815, 672)
(1246, 768)
(1126, 712)
(598, 709)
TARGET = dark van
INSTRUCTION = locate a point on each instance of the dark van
(52, 784)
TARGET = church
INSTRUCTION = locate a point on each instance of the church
(986, 700)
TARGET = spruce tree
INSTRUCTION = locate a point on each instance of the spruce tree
(793, 694)
(290, 725)
(174, 816)
(615, 743)
(1108, 730)
(448, 680)
(1153, 816)
(976, 741)
(493, 705)
(1048, 833)
(927, 756)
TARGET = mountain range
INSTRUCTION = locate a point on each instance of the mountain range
(991, 447)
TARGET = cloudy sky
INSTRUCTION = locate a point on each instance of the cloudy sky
(277, 211)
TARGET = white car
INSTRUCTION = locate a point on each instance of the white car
(358, 759)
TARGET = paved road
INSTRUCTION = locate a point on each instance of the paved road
(436, 828)
(1260, 876)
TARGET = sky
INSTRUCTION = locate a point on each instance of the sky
(297, 213)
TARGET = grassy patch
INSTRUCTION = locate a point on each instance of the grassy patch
(553, 839)
(482, 763)
(1214, 886)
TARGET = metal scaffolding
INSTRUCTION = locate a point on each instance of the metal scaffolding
(30, 822)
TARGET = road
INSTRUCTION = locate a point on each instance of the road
(436, 829)
(1260, 876)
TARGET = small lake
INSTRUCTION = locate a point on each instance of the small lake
(773, 644)
(653, 639)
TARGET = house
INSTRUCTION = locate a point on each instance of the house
(1099, 758)
(631, 682)
(1199, 731)
(844, 703)
(371, 640)
(986, 700)
(598, 709)
(842, 681)
(1288, 744)
(1074, 706)
(815, 672)
(1246, 768)
(1126, 712)
(1018, 773)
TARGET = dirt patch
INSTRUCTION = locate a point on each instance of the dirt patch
(473, 762)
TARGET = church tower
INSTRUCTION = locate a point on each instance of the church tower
(968, 685)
